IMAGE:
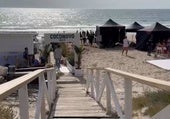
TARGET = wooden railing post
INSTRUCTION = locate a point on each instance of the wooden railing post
(53, 84)
(43, 113)
(97, 82)
(108, 94)
(23, 102)
(49, 79)
(92, 83)
(103, 84)
(87, 81)
(128, 98)
(51, 76)
(114, 96)
(40, 106)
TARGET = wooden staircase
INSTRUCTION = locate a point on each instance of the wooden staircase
(72, 101)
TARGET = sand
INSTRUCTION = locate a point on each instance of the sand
(135, 62)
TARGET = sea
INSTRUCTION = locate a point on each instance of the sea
(43, 20)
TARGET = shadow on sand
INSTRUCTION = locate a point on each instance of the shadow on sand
(130, 57)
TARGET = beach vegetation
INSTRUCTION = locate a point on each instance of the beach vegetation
(70, 58)
(153, 102)
(49, 65)
(64, 50)
(46, 52)
(6, 112)
(67, 53)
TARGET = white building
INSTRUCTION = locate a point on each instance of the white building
(12, 44)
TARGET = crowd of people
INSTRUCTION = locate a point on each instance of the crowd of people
(87, 37)
(31, 60)
(161, 49)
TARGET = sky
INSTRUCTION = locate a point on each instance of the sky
(89, 4)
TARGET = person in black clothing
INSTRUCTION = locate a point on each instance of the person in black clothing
(25, 53)
(84, 37)
(25, 56)
(35, 62)
(81, 39)
(91, 38)
(150, 45)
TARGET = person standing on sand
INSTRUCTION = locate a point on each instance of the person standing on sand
(57, 56)
(84, 37)
(149, 45)
(125, 45)
(25, 56)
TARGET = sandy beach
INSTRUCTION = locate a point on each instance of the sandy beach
(135, 62)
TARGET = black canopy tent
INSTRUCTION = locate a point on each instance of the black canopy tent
(134, 27)
(158, 32)
(110, 22)
(111, 33)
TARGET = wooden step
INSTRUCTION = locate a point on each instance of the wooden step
(73, 102)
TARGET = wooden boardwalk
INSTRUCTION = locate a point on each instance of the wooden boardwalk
(72, 100)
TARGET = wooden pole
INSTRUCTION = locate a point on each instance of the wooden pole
(23, 104)
(128, 99)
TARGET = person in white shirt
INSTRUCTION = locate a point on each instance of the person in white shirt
(125, 45)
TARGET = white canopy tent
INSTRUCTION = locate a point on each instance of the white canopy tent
(162, 63)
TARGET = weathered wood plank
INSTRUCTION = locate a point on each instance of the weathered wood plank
(11, 86)
(160, 84)
(73, 101)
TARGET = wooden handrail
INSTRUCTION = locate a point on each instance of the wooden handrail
(92, 85)
(13, 85)
(29, 69)
(48, 69)
(45, 93)
(161, 84)
(165, 85)
(96, 68)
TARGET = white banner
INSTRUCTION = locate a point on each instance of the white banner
(60, 37)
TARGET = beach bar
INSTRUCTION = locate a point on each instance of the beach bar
(12, 44)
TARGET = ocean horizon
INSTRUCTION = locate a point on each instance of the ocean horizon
(52, 19)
